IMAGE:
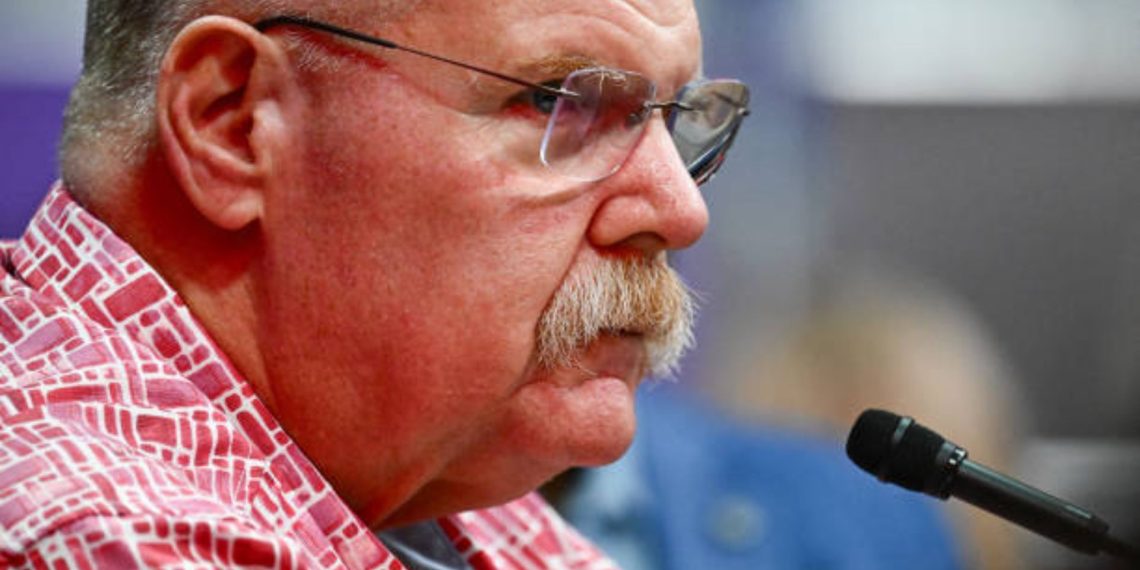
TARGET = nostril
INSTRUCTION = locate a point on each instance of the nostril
(644, 244)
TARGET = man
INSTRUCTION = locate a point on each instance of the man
(300, 282)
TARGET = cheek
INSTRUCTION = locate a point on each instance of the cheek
(427, 248)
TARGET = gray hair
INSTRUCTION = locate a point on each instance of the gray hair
(114, 98)
(111, 108)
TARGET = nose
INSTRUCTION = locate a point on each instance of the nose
(651, 204)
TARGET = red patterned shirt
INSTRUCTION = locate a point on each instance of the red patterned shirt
(128, 440)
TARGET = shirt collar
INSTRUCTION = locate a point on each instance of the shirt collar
(75, 260)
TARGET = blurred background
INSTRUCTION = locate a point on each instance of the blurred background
(930, 208)
(983, 155)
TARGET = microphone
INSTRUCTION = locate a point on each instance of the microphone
(899, 450)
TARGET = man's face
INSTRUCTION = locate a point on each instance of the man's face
(414, 244)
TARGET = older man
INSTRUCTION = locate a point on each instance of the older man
(320, 268)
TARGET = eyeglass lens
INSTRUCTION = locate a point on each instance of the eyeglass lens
(704, 134)
(590, 136)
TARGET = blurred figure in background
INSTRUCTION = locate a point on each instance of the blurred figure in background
(699, 489)
(880, 340)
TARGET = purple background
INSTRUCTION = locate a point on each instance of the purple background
(31, 119)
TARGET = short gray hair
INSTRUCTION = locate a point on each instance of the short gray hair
(122, 49)
(125, 41)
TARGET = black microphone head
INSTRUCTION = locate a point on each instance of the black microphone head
(898, 450)
(869, 442)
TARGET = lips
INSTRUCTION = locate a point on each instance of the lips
(617, 355)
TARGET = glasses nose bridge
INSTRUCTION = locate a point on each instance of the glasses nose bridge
(654, 146)
(642, 118)
(668, 105)
(666, 108)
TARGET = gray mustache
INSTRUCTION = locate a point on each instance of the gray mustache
(637, 296)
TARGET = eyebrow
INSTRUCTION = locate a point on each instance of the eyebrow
(557, 65)
(539, 70)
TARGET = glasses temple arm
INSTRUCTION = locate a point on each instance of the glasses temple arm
(267, 23)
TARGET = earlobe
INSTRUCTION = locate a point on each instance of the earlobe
(218, 89)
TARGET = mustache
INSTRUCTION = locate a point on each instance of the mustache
(642, 296)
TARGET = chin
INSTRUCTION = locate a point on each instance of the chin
(517, 463)
(606, 441)
(585, 422)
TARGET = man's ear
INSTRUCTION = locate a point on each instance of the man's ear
(218, 110)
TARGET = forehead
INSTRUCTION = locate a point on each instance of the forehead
(659, 38)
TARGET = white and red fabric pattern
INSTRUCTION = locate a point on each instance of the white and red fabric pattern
(128, 440)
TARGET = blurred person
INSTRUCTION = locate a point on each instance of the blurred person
(878, 339)
(300, 283)
(702, 489)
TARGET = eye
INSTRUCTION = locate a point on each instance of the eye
(534, 101)
(543, 102)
